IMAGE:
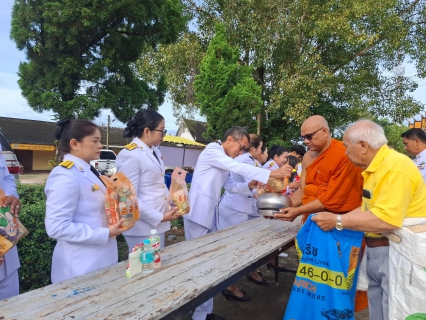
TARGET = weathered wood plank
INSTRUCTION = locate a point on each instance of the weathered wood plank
(189, 268)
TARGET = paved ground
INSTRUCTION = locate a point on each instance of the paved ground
(33, 178)
(268, 302)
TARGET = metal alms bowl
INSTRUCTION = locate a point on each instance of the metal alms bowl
(269, 204)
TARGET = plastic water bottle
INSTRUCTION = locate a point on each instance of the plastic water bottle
(147, 257)
(155, 242)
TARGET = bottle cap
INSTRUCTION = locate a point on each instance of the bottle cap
(146, 241)
(153, 231)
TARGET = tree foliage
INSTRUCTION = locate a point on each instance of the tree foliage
(334, 58)
(81, 54)
(225, 89)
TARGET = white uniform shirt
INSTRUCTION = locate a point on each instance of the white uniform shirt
(271, 165)
(7, 183)
(211, 172)
(76, 218)
(420, 161)
(146, 173)
(241, 201)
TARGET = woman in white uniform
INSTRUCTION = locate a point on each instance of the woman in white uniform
(258, 163)
(75, 205)
(277, 157)
(142, 163)
(234, 208)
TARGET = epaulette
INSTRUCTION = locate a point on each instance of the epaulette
(131, 146)
(67, 164)
(271, 164)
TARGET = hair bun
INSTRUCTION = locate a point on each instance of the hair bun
(61, 126)
(130, 129)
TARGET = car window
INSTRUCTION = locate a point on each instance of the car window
(107, 155)
(5, 145)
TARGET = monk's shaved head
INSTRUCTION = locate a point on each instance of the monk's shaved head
(315, 122)
(315, 133)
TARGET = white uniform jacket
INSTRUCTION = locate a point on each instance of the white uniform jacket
(420, 162)
(211, 172)
(254, 213)
(7, 183)
(76, 218)
(147, 176)
(270, 165)
(242, 201)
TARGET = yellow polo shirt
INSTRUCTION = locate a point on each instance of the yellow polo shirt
(396, 187)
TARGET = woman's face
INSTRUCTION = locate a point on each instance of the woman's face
(282, 159)
(89, 148)
(256, 152)
(264, 156)
(154, 137)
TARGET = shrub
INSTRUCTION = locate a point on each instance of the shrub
(36, 249)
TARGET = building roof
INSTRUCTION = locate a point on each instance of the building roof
(196, 129)
(180, 140)
(42, 132)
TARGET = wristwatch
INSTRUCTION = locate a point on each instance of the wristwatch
(339, 225)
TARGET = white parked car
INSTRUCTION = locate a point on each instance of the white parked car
(12, 164)
(106, 162)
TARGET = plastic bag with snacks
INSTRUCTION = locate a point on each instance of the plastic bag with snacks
(273, 185)
(11, 229)
(178, 192)
(121, 200)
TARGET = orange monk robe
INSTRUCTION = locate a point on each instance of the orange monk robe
(337, 183)
(334, 180)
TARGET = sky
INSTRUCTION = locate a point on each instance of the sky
(13, 105)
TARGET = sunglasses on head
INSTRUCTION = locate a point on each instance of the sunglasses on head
(309, 136)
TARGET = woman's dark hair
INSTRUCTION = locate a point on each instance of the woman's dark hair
(276, 151)
(72, 129)
(255, 140)
(143, 119)
(293, 161)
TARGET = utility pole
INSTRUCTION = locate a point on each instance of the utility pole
(107, 130)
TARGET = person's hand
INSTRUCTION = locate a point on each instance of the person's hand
(293, 185)
(252, 184)
(115, 229)
(325, 220)
(287, 214)
(15, 205)
(281, 173)
(171, 215)
(1, 260)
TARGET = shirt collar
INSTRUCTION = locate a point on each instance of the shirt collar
(78, 162)
(421, 155)
(378, 158)
(142, 144)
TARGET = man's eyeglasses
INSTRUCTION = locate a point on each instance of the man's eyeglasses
(242, 148)
(163, 131)
(309, 136)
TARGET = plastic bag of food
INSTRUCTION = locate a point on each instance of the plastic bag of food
(11, 229)
(121, 200)
(178, 192)
(273, 185)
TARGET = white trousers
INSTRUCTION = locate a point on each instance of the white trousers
(194, 230)
(9, 286)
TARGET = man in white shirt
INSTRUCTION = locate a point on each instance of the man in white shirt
(415, 144)
(211, 172)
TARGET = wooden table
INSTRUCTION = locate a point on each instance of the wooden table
(192, 272)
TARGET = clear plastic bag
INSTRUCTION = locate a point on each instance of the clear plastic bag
(178, 192)
(121, 200)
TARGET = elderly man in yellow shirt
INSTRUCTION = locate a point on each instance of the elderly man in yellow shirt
(393, 191)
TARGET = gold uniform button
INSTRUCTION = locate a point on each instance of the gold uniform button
(162, 175)
(163, 186)
(165, 198)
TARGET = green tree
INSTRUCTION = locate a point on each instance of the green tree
(393, 133)
(334, 58)
(81, 54)
(225, 89)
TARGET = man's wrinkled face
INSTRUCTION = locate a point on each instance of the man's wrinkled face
(314, 137)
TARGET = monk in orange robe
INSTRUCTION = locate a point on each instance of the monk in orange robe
(329, 180)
